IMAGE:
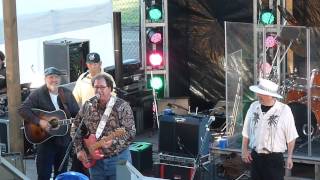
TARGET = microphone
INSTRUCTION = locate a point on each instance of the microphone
(94, 98)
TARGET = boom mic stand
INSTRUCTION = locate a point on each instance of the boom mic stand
(198, 163)
(78, 131)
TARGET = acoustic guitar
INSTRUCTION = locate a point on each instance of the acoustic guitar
(57, 120)
(93, 147)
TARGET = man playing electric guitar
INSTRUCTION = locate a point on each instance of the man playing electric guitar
(49, 97)
(101, 116)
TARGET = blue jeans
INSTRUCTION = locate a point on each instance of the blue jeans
(105, 169)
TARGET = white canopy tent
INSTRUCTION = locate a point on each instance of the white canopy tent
(45, 20)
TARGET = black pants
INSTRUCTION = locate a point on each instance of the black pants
(267, 166)
(77, 166)
(50, 155)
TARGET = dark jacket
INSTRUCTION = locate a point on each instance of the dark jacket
(40, 99)
(3, 77)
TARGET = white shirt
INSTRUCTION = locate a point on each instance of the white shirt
(83, 89)
(270, 131)
(54, 99)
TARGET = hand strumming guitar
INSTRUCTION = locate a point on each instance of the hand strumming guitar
(44, 125)
(82, 155)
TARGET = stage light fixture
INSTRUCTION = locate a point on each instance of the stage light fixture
(154, 13)
(155, 60)
(156, 83)
(267, 17)
(154, 35)
(271, 41)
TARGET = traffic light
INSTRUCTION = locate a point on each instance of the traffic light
(155, 60)
(271, 40)
(154, 46)
(156, 82)
(267, 12)
(267, 16)
(154, 35)
(154, 10)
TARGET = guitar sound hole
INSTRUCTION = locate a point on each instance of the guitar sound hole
(54, 123)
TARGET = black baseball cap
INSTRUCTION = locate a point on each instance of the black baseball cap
(93, 58)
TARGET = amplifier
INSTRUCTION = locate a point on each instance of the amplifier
(3, 147)
(183, 161)
(141, 153)
(4, 134)
(184, 135)
(169, 171)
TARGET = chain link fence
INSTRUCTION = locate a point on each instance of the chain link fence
(130, 20)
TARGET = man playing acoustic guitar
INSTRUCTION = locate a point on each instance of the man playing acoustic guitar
(102, 116)
(49, 97)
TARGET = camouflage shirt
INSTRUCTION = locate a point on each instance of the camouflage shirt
(121, 116)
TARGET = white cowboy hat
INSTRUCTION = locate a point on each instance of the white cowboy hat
(266, 87)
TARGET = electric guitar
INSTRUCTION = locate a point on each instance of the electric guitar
(93, 146)
(58, 126)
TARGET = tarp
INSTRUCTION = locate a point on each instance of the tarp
(196, 47)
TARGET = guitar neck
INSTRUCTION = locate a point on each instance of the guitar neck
(100, 143)
(65, 121)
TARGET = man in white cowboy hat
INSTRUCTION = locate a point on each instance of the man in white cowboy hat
(268, 131)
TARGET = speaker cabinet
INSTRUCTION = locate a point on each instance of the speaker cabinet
(68, 55)
(4, 132)
(169, 171)
(141, 154)
(181, 135)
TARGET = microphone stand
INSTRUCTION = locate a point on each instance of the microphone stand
(198, 163)
(155, 114)
(78, 131)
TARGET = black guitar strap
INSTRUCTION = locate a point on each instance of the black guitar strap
(64, 103)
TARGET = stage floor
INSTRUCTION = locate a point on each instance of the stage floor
(300, 151)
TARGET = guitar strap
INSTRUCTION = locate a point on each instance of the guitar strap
(64, 102)
(105, 116)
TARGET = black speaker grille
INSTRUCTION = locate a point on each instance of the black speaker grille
(181, 135)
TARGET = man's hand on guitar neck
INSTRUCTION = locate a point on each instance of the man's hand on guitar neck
(44, 124)
(82, 156)
(107, 144)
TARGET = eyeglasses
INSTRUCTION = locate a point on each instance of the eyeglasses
(100, 87)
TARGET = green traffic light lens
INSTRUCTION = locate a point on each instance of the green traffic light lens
(267, 18)
(155, 13)
(156, 83)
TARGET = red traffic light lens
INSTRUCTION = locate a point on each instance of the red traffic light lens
(155, 59)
